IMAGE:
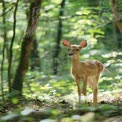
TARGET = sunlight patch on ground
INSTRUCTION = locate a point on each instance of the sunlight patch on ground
(108, 96)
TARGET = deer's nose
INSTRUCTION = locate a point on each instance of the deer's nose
(70, 54)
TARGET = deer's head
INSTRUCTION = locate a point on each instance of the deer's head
(74, 49)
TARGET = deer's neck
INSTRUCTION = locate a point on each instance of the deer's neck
(75, 61)
(76, 66)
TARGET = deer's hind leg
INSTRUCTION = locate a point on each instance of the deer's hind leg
(95, 90)
(84, 89)
(93, 83)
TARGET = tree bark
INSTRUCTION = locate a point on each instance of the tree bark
(34, 58)
(116, 13)
(35, 62)
(58, 39)
(26, 47)
(11, 47)
(117, 20)
(4, 46)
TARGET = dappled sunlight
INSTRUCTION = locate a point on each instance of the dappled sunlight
(107, 97)
(40, 82)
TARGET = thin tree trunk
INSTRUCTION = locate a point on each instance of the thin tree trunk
(116, 13)
(11, 47)
(118, 21)
(3, 50)
(26, 47)
(59, 36)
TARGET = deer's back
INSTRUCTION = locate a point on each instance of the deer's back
(90, 68)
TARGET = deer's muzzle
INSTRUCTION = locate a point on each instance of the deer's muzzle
(70, 54)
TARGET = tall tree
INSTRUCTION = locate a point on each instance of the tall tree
(117, 8)
(11, 46)
(4, 46)
(26, 47)
(34, 53)
(117, 13)
(58, 39)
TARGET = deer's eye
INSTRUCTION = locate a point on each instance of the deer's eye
(77, 49)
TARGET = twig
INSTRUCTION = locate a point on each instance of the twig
(7, 11)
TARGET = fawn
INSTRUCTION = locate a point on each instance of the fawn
(87, 71)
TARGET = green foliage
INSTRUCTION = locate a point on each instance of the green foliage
(81, 20)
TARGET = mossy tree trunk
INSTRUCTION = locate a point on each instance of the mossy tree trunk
(26, 47)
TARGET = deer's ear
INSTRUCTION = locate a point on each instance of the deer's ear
(83, 44)
(66, 43)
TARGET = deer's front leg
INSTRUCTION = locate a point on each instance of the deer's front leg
(79, 90)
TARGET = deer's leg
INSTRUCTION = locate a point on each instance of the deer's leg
(95, 90)
(84, 90)
(79, 90)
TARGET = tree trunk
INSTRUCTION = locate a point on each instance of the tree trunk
(26, 47)
(4, 46)
(34, 54)
(59, 36)
(116, 13)
(35, 62)
(11, 47)
(118, 20)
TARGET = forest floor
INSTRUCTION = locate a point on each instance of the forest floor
(63, 109)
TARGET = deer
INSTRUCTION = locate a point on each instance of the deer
(88, 71)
